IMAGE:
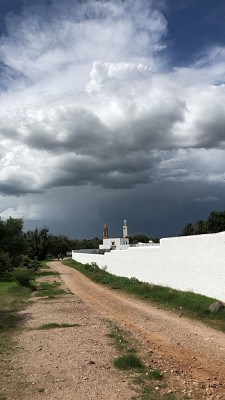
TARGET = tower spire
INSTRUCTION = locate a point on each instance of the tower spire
(105, 231)
(125, 230)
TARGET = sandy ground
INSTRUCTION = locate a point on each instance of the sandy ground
(76, 363)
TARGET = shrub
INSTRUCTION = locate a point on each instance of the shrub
(26, 262)
(35, 265)
(22, 276)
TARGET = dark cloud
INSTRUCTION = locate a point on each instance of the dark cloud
(95, 123)
(15, 188)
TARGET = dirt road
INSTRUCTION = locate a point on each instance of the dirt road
(189, 353)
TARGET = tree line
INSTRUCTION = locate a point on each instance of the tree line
(37, 244)
(17, 246)
(214, 223)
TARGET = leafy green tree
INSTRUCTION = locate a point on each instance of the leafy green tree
(199, 227)
(188, 229)
(86, 243)
(138, 238)
(59, 245)
(5, 262)
(215, 222)
(74, 244)
(37, 243)
(12, 238)
(154, 240)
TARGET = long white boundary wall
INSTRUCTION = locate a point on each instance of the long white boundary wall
(188, 263)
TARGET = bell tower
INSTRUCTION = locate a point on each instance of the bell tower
(125, 230)
(105, 231)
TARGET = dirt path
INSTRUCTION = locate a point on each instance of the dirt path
(189, 353)
(75, 363)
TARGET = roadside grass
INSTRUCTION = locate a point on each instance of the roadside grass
(128, 362)
(42, 272)
(13, 298)
(50, 290)
(53, 325)
(143, 380)
(186, 303)
(118, 339)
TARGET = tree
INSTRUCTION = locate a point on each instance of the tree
(12, 238)
(59, 245)
(188, 229)
(5, 262)
(215, 222)
(37, 243)
(199, 227)
(138, 238)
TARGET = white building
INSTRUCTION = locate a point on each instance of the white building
(115, 243)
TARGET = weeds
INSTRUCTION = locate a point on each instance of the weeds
(42, 272)
(154, 374)
(53, 325)
(13, 296)
(128, 361)
(15, 290)
(119, 341)
(49, 289)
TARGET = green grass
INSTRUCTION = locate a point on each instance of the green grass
(186, 303)
(13, 297)
(138, 380)
(51, 290)
(53, 325)
(118, 339)
(42, 272)
(154, 374)
(128, 362)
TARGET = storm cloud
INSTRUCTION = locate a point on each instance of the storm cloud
(88, 98)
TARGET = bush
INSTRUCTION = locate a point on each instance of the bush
(26, 262)
(22, 276)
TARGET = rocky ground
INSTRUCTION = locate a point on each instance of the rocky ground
(77, 362)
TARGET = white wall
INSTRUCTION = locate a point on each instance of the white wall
(195, 263)
(120, 243)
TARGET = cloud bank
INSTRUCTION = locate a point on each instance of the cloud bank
(88, 98)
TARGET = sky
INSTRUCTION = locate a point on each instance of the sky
(112, 110)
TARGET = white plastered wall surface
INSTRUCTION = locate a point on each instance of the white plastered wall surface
(188, 263)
